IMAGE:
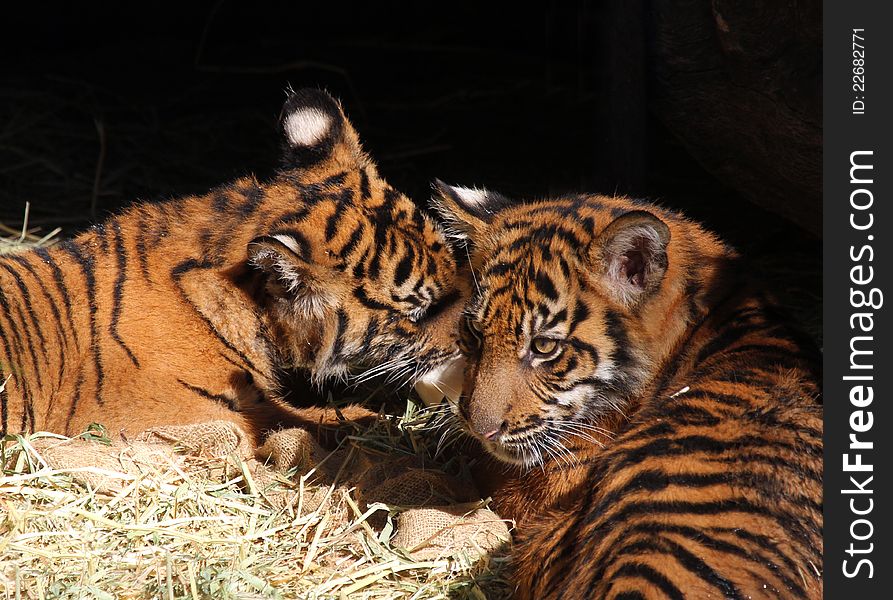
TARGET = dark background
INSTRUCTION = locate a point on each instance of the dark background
(709, 107)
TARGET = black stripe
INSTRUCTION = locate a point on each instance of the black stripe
(360, 293)
(690, 444)
(16, 361)
(352, 241)
(726, 338)
(572, 363)
(364, 183)
(616, 330)
(700, 536)
(557, 318)
(652, 480)
(687, 559)
(76, 398)
(35, 376)
(16, 350)
(29, 308)
(441, 304)
(652, 576)
(766, 543)
(53, 308)
(332, 224)
(29, 416)
(696, 565)
(222, 399)
(500, 268)
(792, 522)
(335, 180)
(118, 292)
(292, 216)
(544, 236)
(403, 269)
(683, 413)
(140, 244)
(586, 348)
(87, 265)
(220, 201)
(775, 461)
(177, 272)
(59, 279)
(726, 399)
(581, 313)
(340, 330)
(545, 286)
(369, 336)
(254, 196)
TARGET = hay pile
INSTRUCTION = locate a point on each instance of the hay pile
(191, 512)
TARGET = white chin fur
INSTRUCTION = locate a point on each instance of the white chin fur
(307, 126)
(443, 382)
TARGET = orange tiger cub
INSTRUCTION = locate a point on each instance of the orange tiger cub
(188, 310)
(661, 419)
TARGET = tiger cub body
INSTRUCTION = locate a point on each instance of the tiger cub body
(655, 424)
(189, 310)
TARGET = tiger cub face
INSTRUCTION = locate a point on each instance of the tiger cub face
(576, 304)
(359, 277)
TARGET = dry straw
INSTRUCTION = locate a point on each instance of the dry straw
(180, 523)
(17, 240)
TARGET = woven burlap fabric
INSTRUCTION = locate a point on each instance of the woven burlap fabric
(213, 439)
(435, 514)
(107, 468)
(450, 531)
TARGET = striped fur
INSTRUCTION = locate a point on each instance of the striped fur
(190, 310)
(655, 422)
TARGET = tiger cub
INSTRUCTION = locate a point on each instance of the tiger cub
(188, 310)
(660, 420)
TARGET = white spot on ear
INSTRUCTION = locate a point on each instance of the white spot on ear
(289, 242)
(470, 196)
(306, 126)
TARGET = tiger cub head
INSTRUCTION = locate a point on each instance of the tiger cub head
(577, 302)
(357, 277)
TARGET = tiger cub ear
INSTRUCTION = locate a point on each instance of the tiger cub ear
(314, 129)
(307, 286)
(630, 256)
(466, 211)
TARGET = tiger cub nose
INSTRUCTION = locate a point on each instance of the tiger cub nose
(492, 434)
(488, 425)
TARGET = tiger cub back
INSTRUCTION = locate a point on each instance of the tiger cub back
(189, 310)
(661, 417)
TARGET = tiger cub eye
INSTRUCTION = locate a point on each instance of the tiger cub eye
(543, 345)
(475, 326)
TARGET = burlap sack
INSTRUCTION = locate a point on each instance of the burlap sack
(107, 468)
(213, 439)
(450, 531)
(434, 518)
(436, 515)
